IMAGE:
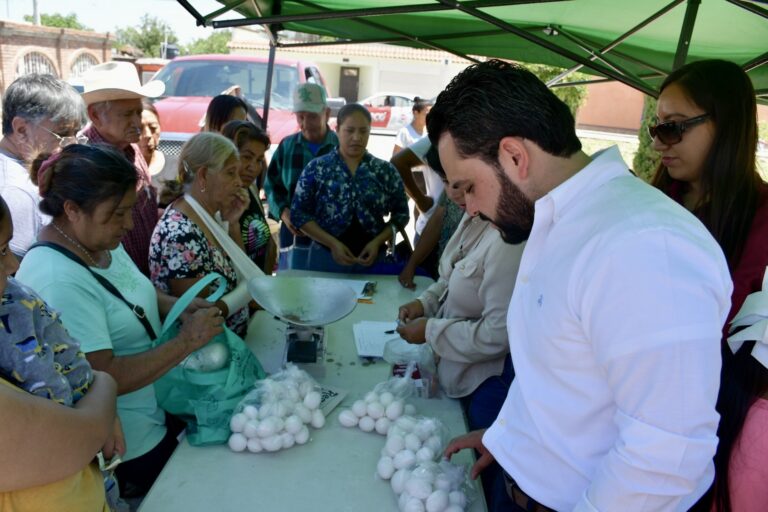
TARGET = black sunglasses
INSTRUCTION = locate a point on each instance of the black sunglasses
(672, 132)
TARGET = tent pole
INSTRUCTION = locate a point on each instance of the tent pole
(755, 63)
(684, 43)
(750, 7)
(270, 72)
(191, 10)
(595, 54)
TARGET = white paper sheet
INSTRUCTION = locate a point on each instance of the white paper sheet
(370, 337)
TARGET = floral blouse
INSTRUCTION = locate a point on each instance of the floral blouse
(331, 196)
(180, 250)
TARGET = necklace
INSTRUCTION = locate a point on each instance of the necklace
(77, 244)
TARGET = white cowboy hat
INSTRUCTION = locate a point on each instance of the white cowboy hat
(116, 80)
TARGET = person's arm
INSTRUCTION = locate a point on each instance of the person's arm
(138, 370)
(371, 250)
(404, 161)
(42, 442)
(430, 236)
(654, 326)
(472, 340)
(276, 191)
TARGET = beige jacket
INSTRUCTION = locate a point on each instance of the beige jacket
(467, 306)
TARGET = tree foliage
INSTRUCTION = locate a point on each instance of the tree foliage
(148, 37)
(573, 95)
(59, 20)
(215, 43)
(646, 159)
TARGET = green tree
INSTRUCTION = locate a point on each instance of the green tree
(215, 43)
(148, 37)
(646, 159)
(573, 95)
(59, 20)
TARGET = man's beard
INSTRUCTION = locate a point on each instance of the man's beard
(514, 211)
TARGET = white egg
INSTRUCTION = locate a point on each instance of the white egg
(437, 501)
(251, 411)
(267, 427)
(303, 412)
(348, 418)
(272, 443)
(425, 428)
(287, 440)
(312, 400)
(283, 409)
(318, 420)
(394, 410)
(279, 424)
(305, 388)
(399, 479)
(360, 408)
(371, 396)
(302, 436)
(394, 444)
(382, 426)
(409, 409)
(404, 459)
(394, 430)
(254, 445)
(386, 398)
(385, 468)
(292, 394)
(425, 454)
(267, 410)
(458, 498)
(403, 500)
(434, 444)
(238, 421)
(425, 472)
(251, 428)
(237, 442)
(414, 505)
(375, 410)
(412, 442)
(442, 482)
(418, 487)
(293, 424)
(367, 424)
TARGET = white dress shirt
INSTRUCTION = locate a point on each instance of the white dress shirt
(614, 327)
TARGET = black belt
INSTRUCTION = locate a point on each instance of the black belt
(521, 499)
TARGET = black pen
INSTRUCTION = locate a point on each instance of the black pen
(392, 331)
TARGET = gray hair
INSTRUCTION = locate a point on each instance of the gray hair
(206, 149)
(35, 97)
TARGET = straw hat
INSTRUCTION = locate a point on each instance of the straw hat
(116, 80)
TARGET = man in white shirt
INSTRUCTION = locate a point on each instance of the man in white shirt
(40, 114)
(615, 320)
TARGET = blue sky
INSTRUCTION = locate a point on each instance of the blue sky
(107, 15)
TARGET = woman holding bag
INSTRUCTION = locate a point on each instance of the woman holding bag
(199, 233)
(89, 192)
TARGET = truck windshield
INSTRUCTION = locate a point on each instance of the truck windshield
(212, 77)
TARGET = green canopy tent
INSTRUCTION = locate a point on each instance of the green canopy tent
(636, 42)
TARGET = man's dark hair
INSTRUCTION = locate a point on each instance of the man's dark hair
(492, 100)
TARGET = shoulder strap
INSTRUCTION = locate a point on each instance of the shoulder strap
(137, 310)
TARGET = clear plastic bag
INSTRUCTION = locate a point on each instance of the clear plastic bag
(435, 487)
(401, 354)
(277, 413)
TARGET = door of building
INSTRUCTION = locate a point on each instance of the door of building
(349, 83)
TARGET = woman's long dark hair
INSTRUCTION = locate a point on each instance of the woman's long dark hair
(730, 181)
(744, 380)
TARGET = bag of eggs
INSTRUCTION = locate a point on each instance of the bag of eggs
(380, 407)
(411, 441)
(433, 487)
(276, 414)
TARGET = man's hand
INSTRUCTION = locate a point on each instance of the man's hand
(472, 440)
(410, 311)
(414, 331)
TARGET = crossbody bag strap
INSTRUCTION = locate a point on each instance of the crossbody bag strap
(137, 310)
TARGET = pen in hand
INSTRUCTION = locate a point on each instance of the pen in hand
(391, 331)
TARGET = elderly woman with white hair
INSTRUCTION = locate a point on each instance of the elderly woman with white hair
(199, 233)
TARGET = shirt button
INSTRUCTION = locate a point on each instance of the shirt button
(524, 279)
(502, 422)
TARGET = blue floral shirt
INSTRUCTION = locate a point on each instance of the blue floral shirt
(331, 196)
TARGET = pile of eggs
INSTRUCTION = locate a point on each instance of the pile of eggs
(376, 412)
(409, 442)
(276, 414)
(430, 487)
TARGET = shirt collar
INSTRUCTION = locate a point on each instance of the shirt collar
(606, 165)
(327, 140)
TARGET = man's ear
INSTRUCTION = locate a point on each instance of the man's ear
(94, 114)
(514, 157)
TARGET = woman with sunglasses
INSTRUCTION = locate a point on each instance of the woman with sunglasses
(707, 137)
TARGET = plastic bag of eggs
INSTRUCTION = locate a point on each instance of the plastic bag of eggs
(375, 412)
(277, 413)
(411, 441)
(432, 487)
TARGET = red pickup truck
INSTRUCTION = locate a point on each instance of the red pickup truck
(191, 82)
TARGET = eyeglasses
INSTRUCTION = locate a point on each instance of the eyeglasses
(69, 139)
(672, 132)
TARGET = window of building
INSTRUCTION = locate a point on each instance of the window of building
(83, 63)
(35, 62)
